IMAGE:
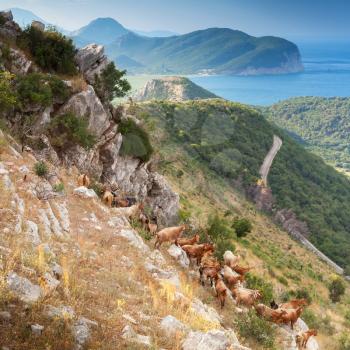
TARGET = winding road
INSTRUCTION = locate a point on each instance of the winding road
(265, 168)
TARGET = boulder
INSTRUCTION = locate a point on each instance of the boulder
(84, 192)
(38, 25)
(10, 29)
(179, 255)
(91, 61)
(81, 331)
(134, 239)
(128, 333)
(19, 63)
(206, 312)
(171, 326)
(23, 288)
(37, 329)
(87, 105)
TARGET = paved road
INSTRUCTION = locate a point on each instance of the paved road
(265, 168)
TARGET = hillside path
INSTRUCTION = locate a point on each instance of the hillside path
(265, 168)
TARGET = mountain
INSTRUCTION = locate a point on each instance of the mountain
(214, 50)
(322, 125)
(25, 17)
(155, 33)
(233, 140)
(173, 89)
(100, 31)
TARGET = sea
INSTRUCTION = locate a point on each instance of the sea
(327, 74)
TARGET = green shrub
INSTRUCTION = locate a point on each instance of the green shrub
(68, 130)
(41, 169)
(302, 293)
(316, 321)
(344, 341)
(251, 326)
(51, 50)
(40, 89)
(136, 141)
(8, 96)
(58, 187)
(242, 226)
(219, 228)
(221, 245)
(282, 280)
(336, 289)
(266, 289)
(110, 83)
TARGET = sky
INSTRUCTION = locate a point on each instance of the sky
(318, 20)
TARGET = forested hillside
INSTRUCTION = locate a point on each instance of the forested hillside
(321, 124)
(233, 139)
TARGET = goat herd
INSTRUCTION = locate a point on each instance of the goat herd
(227, 276)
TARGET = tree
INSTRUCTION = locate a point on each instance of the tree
(7, 95)
(336, 289)
(242, 227)
(110, 83)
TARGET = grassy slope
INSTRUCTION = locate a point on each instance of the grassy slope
(321, 124)
(233, 140)
(215, 48)
(278, 259)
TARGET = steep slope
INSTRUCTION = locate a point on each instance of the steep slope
(172, 89)
(320, 124)
(100, 31)
(214, 50)
(233, 140)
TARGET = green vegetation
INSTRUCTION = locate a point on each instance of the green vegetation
(250, 326)
(58, 187)
(256, 282)
(136, 142)
(41, 169)
(68, 130)
(336, 289)
(110, 83)
(344, 341)
(7, 95)
(220, 50)
(51, 50)
(233, 140)
(40, 89)
(242, 226)
(320, 124)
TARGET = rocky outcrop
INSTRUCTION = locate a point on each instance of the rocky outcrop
(8, 28)
(23, 288)
(91, 61)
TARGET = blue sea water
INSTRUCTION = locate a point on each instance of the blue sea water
(327, 74)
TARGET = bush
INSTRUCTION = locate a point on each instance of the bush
(336, 289)
(8, 97)
(251, 326)
(136, 141)
(256, 282)
(297, 294)
(41, 169)
(40, 89)
(58, 187)
(318, 322)
(344, 341)
(110, 83)
(242, 227)
(68, 130)
(51, 50)
(219, 227)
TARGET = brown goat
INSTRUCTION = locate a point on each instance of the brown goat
(206, 273)
(83, 180)
(188, 241)
(232, 278)
(244, 296)
(291, 316)
(294, 304)
(169, 234)
(152, 228)
(268, 313)
(241, 270)
(221, 290)
(304, 337)
(196, 251)
(107, 198)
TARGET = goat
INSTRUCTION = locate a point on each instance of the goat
(303, 338)
(208, 260)
(196, 251)
(83, 180)
(107, 198)
(230, 259)
(268, 313)
(221, 290)
(188, 241)
(291, 316)
(208, 272)
(232, 278)
(248, 297)
(241, 270)
(294, 304)
(143, 220)
(169, 234)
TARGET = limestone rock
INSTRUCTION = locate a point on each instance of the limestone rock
(206, 312)
(128, 333)
(172, 326)
(23, 288)
(179, 255)
(134, 239)
(84, 192)
(37, 329)
(59, 312)
(32, 233)
(81, 331)
(9, 29)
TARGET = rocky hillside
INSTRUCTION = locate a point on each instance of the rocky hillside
(172, 89)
